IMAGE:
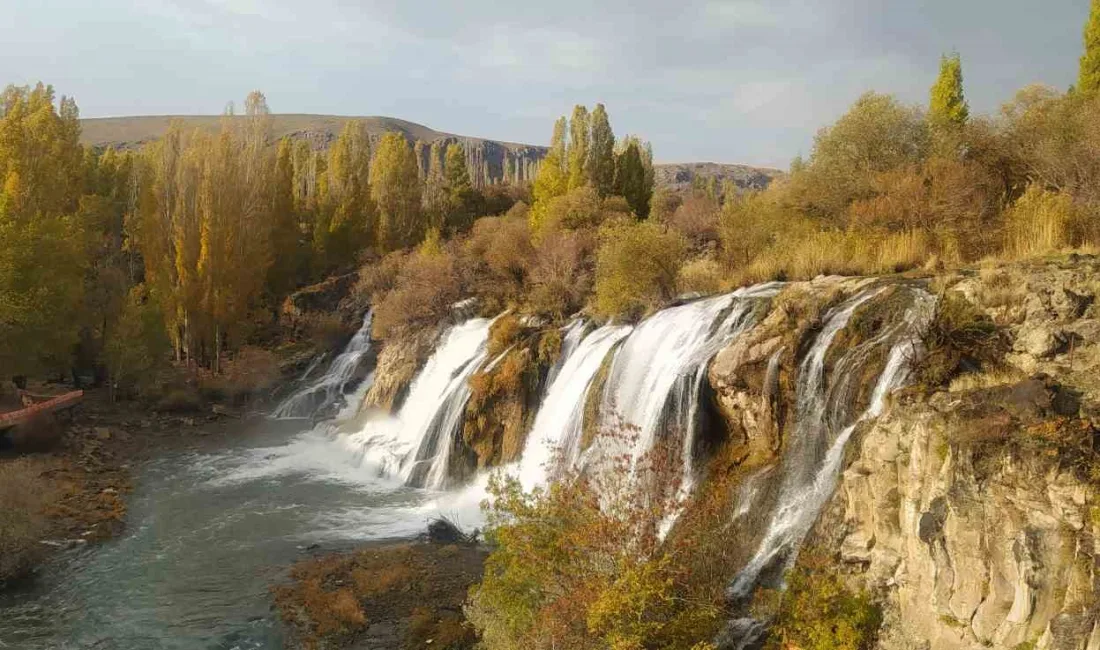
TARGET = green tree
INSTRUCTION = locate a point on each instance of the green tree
(601, 155)
(579, 137)
(1088, 80)
(395, 190)
(461, 197)
(947, 105)
(630, 180)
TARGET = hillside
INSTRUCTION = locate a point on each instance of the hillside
(132, 132)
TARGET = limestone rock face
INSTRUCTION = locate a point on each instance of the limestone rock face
(973, 544)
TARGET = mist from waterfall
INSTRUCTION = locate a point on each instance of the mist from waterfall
(328, 389)
(414, 444)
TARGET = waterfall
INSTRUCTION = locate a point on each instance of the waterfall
(656, 376)
(415, 443)
(823, 425)
(557, 427)
(328, 389)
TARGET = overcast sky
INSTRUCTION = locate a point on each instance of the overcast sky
(723, 80)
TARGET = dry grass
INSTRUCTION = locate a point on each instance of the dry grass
(988, 379)
(702, 275)
(1038, 223)
(24, 495)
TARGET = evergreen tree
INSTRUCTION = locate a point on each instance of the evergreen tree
(601, 157)
(578, 147)
(395, 190)
(948, 105)
(1088, 81)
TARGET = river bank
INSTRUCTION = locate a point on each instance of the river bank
(74, 485)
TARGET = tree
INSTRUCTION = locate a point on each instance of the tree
(1088, 80)
(948, 105)
(630, 180)
(578, 147)
(601, 155)
(42, 243)
(347, 221)
(551, 180)
(435, 192)
(286, 236)
(394, 188)
(636, 268)
(460, 192)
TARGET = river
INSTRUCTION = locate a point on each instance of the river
(207, 534)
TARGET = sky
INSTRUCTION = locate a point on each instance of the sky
(745, 81)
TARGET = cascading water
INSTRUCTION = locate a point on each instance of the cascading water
(655, 379)
(330, 387)
(823, 425)
(415, 444)
(557, 427)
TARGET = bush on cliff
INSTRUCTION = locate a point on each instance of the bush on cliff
(580, 564)
(819, 612)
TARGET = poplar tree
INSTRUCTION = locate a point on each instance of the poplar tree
(286, 235)
(435, 192)
(347, 217)
(551, 180)
(601, 156)
(630, 179)
(42, 243)
(578, 147)
(1088, 81)
(947, 105)
(394, 188)
(460, 192)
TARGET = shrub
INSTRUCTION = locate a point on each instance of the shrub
(23, 495)
(961, 338)
(577, 209)
(702, 275)
(580, 564)
(561, 273)
(376, 279)
(1039, 223)
(497, 256)
(426, 287)
(697, 220)
(636, 268)
(819, 612)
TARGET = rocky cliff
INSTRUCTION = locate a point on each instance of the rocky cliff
(970, 509)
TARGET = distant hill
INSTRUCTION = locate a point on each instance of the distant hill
(680, 176)
(486, 156)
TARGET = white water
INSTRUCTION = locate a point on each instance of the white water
(415, 443)
(654, 382)
(329, 388)
(812, 462)
(557, 427)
